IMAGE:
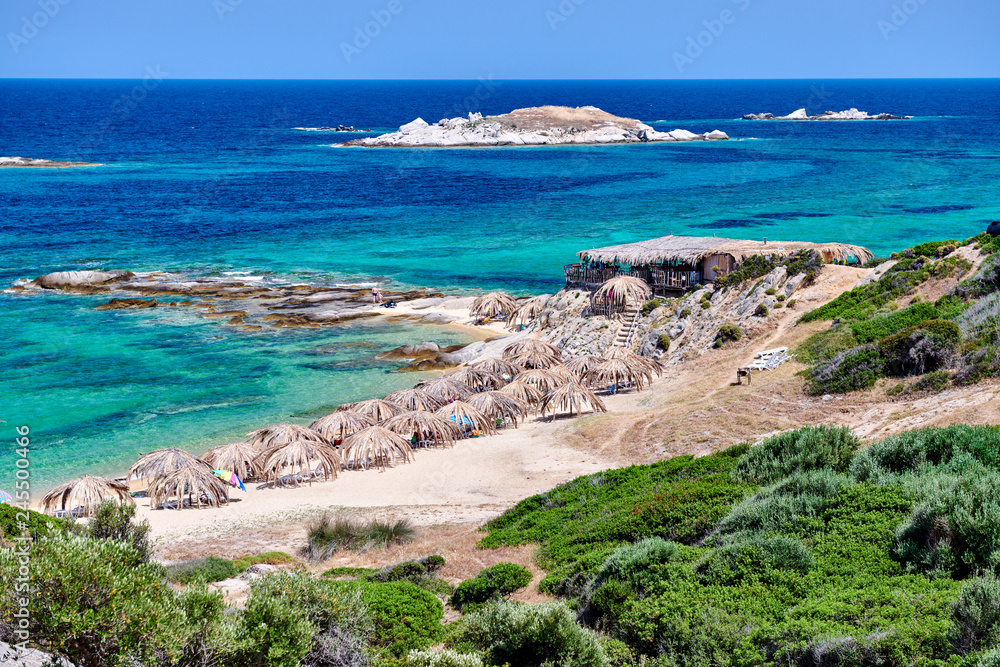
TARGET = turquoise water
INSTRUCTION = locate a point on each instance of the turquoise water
(211, 178)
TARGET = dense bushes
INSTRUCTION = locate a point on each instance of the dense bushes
(806, 262)
(532, 636)
(976, 616)
(728, 332)
(203, 570)
(801, 450)
(38, 525)
(756, 559)
(496, 581)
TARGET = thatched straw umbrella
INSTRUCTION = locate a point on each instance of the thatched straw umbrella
(560, 371)
(427, 426)
(631, 357)
(535, 359)
(613, 372)
(528, 393)
(85, 493)
(580, 366)
(494, 304)
(199, 484)
(622, 290)
(446, 389)
(505, 369)
(237, 457)
(162, 461)
(525, 311)
(464, 413)
(376, 408)
(414, 399)
(289, 462)
(478, 379)
(541, 379)
(376, 446)
(278, 435)
(531, 345)
(338, 425)
(500, 407)
(571, 397)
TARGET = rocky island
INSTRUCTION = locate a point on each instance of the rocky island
(39, 163)
(534, 126)
(800, 114)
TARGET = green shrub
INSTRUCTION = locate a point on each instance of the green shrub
(850, 370)
(95, 602)
(38, 525)
(801, 450)
(869, 331)
(265, 558)
(756, 559)
(404, 617)
(933, 381)
(770, 291)
(203, 570)
(976, 616)
(761, 311)
(728, 332)
(910, 451)
(824, 345)
(664, 342)
(781, 297)
(806, 262)
(790, 304)
(496, 581)
(112, 521)
(935, 248)
(650, 306)
(920, 349)
(532, 636)
(705, 304)
(445, 658)
(330, 534)
(685, 313)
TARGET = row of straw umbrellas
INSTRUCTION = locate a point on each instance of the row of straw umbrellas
(530, 377)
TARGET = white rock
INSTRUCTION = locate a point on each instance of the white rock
(413, 125)
(798, 114)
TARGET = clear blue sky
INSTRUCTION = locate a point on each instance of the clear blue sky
(503, 39)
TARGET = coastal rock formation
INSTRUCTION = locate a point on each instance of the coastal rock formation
(37, 162)
(126, 304)
(800, 114)
(77, 280)
(534, 126)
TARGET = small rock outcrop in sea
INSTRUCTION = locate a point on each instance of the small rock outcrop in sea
(534, 126)
(127, 304)
(81, 280)
(800, 114)
(37, 162)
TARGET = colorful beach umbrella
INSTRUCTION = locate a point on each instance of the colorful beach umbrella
(230, 478)
(5, 497)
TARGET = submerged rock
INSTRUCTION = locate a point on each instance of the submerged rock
(123, 304)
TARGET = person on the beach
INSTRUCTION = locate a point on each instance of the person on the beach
(376, 295)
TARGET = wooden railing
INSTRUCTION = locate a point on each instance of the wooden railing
(589, 277)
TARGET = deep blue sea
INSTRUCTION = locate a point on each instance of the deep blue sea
(218, 177)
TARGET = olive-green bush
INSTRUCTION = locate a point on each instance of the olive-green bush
(496, 581)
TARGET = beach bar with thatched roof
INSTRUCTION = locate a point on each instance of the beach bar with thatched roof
(672, 264)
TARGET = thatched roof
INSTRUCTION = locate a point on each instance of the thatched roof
(340, 424)
(425, 425)
(493, 304)
(531, 345)
(377, 447)
(654, 366)
(526, 311)
(278, 435)
(571, 397)
(500, 406)
(502, 367)
(528, 393)
(376, 408)
(477, 378)
(414, 399)
(85, 493)
(163, 461)
(613, 372)
(541, 379)
(580, 366)
(463, 412)
(621, 290)
(287, 463)
(692, 249)
(446, 389)
(237, 457)
(199, 485)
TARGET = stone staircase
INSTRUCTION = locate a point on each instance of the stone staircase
(628, 329)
